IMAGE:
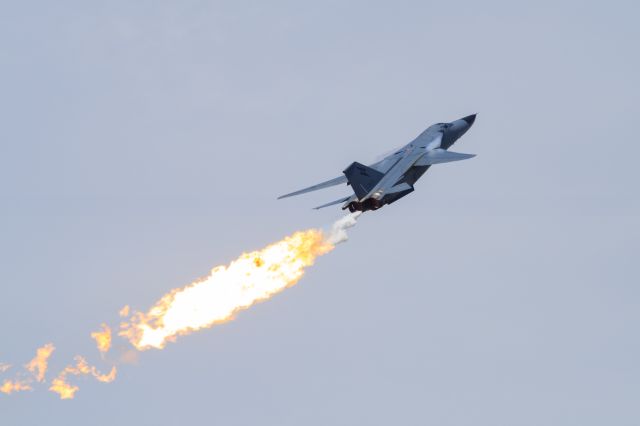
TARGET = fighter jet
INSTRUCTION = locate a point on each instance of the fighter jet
(394, 176)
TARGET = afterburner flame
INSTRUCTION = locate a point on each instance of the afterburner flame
(64, 389)
(251, 278)
(124, 312)
(103, 338)
(215, 299)
(61, 386)
(38, 365)
(11, 386)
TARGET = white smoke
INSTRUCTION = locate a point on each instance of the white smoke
(338, 233)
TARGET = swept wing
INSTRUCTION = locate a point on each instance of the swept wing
(326, 184)
(439, 155)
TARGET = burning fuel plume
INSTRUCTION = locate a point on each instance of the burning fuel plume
(61, 386)
(214, 299)
(36, 369)
(102, 338)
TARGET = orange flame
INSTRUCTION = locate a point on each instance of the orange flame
(10, 386)
(124, 312)
(60, 385)
(215, 299)
(38, 365)
(62, 388)
(103, 338)
(251, 278)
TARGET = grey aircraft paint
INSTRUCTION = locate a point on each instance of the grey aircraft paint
(393, 177)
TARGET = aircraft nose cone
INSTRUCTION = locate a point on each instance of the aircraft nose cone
(470, 119)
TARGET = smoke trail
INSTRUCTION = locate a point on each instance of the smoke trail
(338, 232)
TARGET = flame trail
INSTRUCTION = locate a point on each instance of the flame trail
(226, 290)
(102, 338)
(124, 312)
(11, 386)
(60, 385)
(38, 365)
(216, 298)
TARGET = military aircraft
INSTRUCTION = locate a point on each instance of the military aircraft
(394, 176)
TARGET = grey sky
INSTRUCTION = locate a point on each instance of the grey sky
(143, 143)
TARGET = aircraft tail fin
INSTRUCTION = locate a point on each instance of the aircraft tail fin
(362, 178)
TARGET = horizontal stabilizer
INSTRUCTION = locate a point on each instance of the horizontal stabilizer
(362, 178)
(439, 155)
(326, 184)
(341, 200)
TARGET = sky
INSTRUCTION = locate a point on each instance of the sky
(143, 143)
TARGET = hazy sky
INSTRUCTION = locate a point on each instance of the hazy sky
(144, 142)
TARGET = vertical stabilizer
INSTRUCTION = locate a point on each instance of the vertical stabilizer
(362, 178)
